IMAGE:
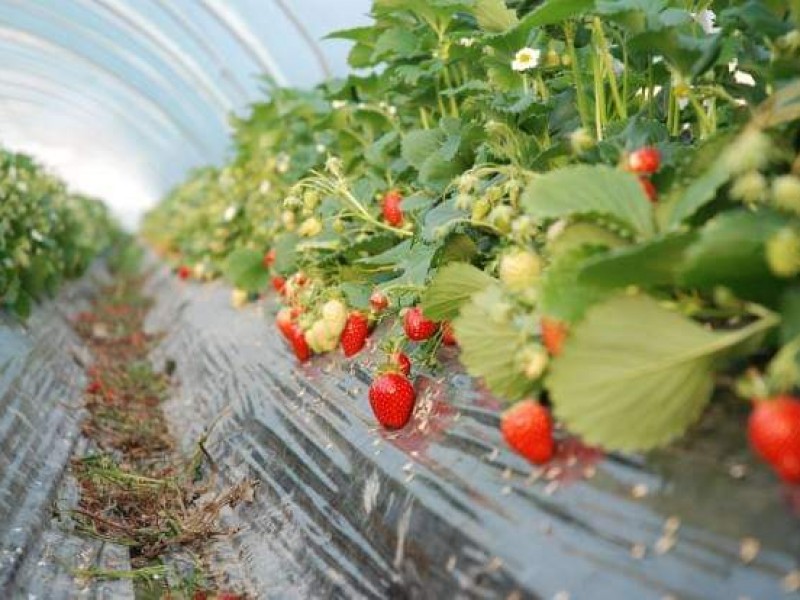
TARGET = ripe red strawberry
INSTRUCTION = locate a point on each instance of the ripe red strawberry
(392, 398)
(94, 387)
(354, 334)
(649, 189)
(401, 361)
(285, 322)
(299, 344)
(379, 301)
(554, 333)
(269, 258)
(528, 429)
(300, 278)
(448, 335)
(392, 208)
(184, 272)
(773, 430)
(278, 283)
(416, 326)
(644, 161)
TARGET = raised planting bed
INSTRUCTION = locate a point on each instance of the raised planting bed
(442, 508)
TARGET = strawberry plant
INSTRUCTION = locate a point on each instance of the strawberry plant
(47, 235)
(600, 200)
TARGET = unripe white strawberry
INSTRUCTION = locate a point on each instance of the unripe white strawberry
(288, 220)
(323, 336)
(750, 188)
(533, 361)
(501, 217)
(311, 199)
(310, 227)
(520, 269)
(581, 140)
(334, 312)
(783, 253)
(749, 152)
(786, 193)
(480, 209)
(238, 298)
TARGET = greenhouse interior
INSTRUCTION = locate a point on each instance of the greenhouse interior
(404, 299)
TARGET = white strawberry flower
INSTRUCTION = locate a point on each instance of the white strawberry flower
(229, 213)
(526, 59)
(466, 42)
(706, 19)
(337, 104)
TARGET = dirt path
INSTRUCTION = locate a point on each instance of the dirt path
(135, 490)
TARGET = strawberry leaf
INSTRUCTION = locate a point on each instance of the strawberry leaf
(591, 190)
(452, 286)
(634, 375)
(561, 294)
(490, 344)
(245, 270)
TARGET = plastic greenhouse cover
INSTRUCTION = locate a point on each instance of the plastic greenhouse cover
(122, 97)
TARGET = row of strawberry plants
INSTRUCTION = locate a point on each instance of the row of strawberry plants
(46, 233)
(598, 199)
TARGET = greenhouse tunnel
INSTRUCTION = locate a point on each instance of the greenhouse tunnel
(399, 299)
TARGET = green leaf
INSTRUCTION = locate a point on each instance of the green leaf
(634, 375)
(579, 234)
(494, 16)
(490, 345)
(700, 192)
(398, 41)
(441, 219)
(561, 294)
(730, 252)
(357, 294)
(450, 288)
(420, 144)
(245, 270)
(556, 11)
(654, 262)
(595, 190)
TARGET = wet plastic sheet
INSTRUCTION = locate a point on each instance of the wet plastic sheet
(442, 509)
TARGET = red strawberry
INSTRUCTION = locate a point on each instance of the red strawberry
(649, 189)
(94, 387)
(448, 335)
(379, 301)
(278, 283)
(645, 160)
(285, 322)
(392, 398)
(354, 334)
(269, 258)
(300, 278)
(184, 272)
(401, 361)
(528, 429)
(774, 433)
(299, 344)
(553, 335)
(416, 326)
(392, 208)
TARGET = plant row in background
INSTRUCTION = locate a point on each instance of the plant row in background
(597, 199)
(47, 234)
